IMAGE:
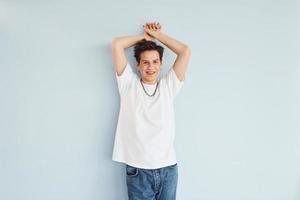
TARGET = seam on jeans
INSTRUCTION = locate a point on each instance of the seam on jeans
(156, 180)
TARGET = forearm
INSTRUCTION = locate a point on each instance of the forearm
(176, 46)
(127, 41)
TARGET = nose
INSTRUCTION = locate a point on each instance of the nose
(150, 69)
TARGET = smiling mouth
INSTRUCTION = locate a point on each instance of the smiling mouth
(150, 73)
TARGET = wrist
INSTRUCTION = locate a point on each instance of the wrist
(158, 35)
(141, 37)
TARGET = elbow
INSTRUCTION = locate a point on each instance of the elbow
(186, 50)
(114, 41)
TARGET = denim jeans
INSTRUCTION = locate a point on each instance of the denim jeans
(152, 184)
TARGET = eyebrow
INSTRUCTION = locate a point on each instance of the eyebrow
(153, 60)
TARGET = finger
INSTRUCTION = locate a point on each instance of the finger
(156, 26)
(152, 26)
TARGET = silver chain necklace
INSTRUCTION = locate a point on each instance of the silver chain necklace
(146, 91)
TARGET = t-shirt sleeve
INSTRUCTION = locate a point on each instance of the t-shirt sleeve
(125, 80)
(173, 83)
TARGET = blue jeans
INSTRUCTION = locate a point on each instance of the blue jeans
(152, 184)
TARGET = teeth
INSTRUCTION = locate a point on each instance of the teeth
(150, 72)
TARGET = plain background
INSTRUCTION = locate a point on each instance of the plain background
(237, 115)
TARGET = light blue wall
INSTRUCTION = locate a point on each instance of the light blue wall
(237, 116)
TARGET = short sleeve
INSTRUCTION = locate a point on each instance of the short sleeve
(125, 79)
(173, 83)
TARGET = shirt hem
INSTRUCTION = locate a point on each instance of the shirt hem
(144, 166)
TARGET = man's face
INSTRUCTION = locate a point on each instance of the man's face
(149, 66)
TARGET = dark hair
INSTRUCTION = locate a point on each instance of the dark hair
(145, 45)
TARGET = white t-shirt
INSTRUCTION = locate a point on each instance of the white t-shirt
(145, 132)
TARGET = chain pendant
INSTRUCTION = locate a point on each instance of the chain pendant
(146, 91)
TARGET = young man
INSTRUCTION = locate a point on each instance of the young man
(145, 131)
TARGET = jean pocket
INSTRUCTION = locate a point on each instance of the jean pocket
(131, 171)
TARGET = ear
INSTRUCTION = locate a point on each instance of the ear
(137, 65)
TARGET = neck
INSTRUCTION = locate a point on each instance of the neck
(149, 82)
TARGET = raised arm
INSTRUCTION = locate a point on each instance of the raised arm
(119, 44)
(182, 51)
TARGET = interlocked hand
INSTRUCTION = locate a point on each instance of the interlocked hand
(151, 30)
